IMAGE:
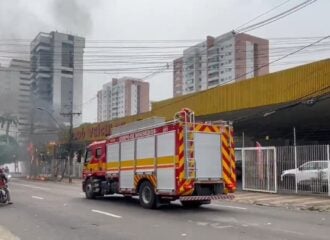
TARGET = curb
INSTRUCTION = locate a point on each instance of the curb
(288, 205)
(38, 178)
(49, 179)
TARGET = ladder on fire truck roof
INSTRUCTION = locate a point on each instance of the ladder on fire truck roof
(189, 151)
(187, 117)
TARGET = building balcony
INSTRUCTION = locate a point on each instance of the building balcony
(213, 71)
(212, 77)
(42, 48)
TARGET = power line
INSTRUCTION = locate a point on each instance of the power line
(277, 17)
(263, 14)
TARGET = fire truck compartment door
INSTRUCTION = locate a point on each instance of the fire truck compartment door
(145, 154)
(166, 161)
(113, 157)
(127, 165)
(207, 153)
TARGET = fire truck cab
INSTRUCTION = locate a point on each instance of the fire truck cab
(163, 162)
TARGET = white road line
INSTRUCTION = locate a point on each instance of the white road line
(36, 197)
(288, 231)
(31, 186)
(221, 227)
(226, 206)
(106, 213)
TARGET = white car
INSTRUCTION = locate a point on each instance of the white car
(307, 171)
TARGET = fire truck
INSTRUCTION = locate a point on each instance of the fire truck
(177, 160)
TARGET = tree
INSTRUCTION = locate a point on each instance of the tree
(8, 120)
(9, 149)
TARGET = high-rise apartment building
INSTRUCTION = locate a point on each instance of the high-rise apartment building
(122, 97)
(99, 105)
(220, 60)
(15, 95)
(57, 74)
(177, 76)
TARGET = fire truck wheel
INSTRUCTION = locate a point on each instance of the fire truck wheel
(147, 195)
(89, 190)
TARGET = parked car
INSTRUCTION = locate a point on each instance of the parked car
(306, 175)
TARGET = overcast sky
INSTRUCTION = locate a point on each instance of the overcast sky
(152, 20)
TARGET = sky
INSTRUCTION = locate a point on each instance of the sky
(155, 20)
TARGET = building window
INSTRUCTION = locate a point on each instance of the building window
(67, 55)
(45, 58)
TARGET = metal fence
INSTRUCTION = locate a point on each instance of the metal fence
(287, 169)
(58, 167)
(259, 169)
(304, 169)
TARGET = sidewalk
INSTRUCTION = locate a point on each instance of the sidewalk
(314, 203)
(6, 235)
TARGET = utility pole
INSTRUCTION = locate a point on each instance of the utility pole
(70, 114)
(31, 144)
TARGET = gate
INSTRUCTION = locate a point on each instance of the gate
(259, 172)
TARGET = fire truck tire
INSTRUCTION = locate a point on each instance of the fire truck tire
(147, 196)
(89, 190)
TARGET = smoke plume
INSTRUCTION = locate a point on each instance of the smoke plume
(72, 15)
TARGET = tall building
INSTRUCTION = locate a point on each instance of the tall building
(99, 105)
(57, 74)
(220, 60)
(122, 97)
(15, 95)
(177, 76)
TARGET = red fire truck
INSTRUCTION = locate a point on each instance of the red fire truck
(167, 161)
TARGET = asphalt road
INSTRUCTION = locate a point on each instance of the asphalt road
(45, 210)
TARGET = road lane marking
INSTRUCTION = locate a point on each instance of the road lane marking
(288, 231)
(226, 206)
(216, 225)
(106, 213)
(202, 223)
(36, 197)
(31, 186)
